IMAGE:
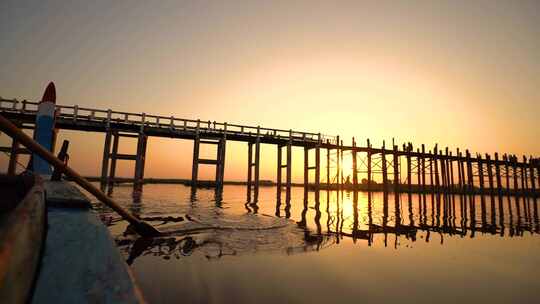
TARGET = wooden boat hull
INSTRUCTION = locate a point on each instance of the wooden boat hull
(22, 231)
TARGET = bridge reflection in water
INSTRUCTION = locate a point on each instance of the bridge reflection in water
(324, 219)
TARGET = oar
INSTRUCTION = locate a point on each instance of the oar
(142, 228)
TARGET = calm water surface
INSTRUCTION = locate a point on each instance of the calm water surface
(334, 248)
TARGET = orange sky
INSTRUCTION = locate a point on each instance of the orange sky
(458, 73)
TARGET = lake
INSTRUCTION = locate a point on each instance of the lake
(334, 247)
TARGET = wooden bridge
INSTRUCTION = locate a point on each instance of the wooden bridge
(400, 168)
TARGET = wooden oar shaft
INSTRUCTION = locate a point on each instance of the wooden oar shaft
(12, 130)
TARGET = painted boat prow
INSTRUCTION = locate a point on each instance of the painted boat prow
(45, 133)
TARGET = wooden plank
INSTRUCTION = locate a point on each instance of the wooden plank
(18, 150)
(205, 161)
(126, 156)
(64, 194)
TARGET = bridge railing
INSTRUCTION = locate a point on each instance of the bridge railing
(173, 123)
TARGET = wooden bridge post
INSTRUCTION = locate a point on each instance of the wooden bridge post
(306, 170)
(341, 162)
(279, 167)
(506, 172)
(538, 170)
(443, 170)
(220, 162)
(114, 156)
(423, 168)
(418, 170)
(430, 171)
(327, 164)
(459, 169)
(498, 173)
(289, 167)
(480, 173)
(354, 166)
(452, 183)
(195, 166)
(436, 161)
(409, 169)
(338, 163)
(524, 182)
(383, 164)
(105, 159)
(249, 174)
(490, 173)
(470, 176)
(515, 173)
(369, 152)
(532, 176)
(396, 168)
(257, 165)
(463, 172)
(140, 159)
(13, 156)
(318, 165)
(447, 169)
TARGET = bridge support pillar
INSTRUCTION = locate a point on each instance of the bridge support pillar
(140, 160)
(490, 173)
(253, 170)
(524, 182)
(308, 168)
(418, 170)
(480, 173)
(105, 159)
(396, 168)
(369, 152)
(383, 165)
(409, 169)
(219, 161)
(451, 165)
(513, 160)
(327, 166)
(470, 176)
(354, 166)
(532, 176)
(506, 173)
(195, 165)
(498, 174)
(436, 165)
(220, 166)
(13, 157)
(114, 157)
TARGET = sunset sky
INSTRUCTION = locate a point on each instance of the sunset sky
(461, 73)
